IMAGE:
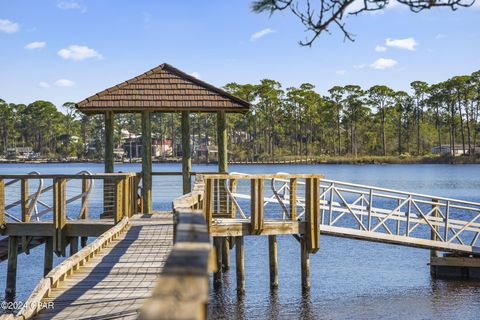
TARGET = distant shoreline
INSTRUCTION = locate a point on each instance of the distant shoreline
(292, 161)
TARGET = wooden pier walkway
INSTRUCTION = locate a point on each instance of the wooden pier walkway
(115, 283)
(157, 266)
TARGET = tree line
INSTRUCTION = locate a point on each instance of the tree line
(353, 121)
(285, 122)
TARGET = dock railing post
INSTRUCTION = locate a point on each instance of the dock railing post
(312, 212)
(138, 198)
(256, 215)
(293, 199)
(25, 210)
(233, 189)
(24, 200)
(433, 236)
(208, 207)
(118, 200)
(59, 214)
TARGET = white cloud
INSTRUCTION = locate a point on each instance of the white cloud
(407, 43)
(35, 45)
(195, 74)
(380, 49)
(78, 53)
(439, 36)
(43, 84)
(64, 83)
(71, 5)
(383, 63)
(8, 26)
(359, 66)
(261, 33)
(340, 72)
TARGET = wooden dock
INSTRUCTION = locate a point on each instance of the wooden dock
(115, 283)
(157, 266)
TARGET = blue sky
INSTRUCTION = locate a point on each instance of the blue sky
(67, 50)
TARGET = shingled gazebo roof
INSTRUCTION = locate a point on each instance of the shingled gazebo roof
(163, 89)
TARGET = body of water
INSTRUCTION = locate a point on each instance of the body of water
(350, 279)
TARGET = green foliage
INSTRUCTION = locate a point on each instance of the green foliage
(349, 122)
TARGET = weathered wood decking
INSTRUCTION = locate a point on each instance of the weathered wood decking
(115, 283)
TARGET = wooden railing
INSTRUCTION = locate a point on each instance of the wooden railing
(119, 196)
(66, 268)
(224, 193)
(57, 214)
(182, 288)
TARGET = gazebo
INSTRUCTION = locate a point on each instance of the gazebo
(163, 89)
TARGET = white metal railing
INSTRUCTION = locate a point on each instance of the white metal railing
(452, 224)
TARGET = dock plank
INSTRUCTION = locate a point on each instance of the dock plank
(115, 283)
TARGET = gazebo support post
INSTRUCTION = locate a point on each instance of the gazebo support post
(108, 159)
(186, 156)
(109, 118)
(147, 161)
(222, 142)
(223, 168)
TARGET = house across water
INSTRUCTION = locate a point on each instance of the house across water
(458, 150)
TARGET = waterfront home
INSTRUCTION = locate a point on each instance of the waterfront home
(457, 150)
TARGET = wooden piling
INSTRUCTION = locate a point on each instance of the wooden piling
(48, 257)
(217, 275)
(11, 269)
(2, 203)
(225, 254)
(273, 261)
(83, 240)
(305, 264)
(147, 161)
(186, 157)
(73, 245)
(240, 264)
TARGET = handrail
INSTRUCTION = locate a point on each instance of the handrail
(375, 212)
(66, 176)
(59, 274)
(182, 288)
(399, 192)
